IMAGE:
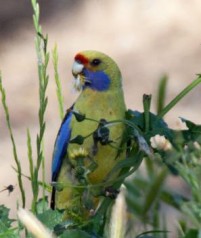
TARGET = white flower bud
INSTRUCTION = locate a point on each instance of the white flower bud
(160, 142)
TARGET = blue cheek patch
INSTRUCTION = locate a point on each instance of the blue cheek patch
(97, 80)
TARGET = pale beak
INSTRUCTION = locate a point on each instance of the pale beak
(79, 79)
(77, 68)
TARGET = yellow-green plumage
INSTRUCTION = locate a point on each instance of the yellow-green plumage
(109, 105)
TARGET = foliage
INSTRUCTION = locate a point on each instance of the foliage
(164, 152)
(6, 229)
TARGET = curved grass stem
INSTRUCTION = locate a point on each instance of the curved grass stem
(17, 161)
(182, 94)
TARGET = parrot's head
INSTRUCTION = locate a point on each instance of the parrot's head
(95, 70)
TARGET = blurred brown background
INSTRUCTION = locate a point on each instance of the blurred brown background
(146, 38)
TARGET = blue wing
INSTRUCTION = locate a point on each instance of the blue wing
(61, 144)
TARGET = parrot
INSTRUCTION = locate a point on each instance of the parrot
(89, 141)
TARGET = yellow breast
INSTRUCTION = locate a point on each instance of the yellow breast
(99, 105)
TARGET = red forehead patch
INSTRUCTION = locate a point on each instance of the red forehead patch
(81, 58)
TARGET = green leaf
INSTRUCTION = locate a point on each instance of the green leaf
(5, 220)
(154, 190)
(125, 166)
(157, 126)
(77, 140)
(192, 134)
(78, 116)
(192, 233)
(172, 199)
(76, 234)
(10, 233)
(50, 218)
(192, 126)
(146, 234)
(42, 205)
(60, 228)
(6, 231)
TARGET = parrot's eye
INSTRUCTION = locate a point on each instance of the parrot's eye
(95, 62)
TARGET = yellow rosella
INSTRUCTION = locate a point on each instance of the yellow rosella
(87, 163)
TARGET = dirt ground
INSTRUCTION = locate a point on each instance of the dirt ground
(146, 38)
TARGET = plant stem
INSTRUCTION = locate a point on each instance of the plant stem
(43, 59)
(57, 81)
(183, 93)
(146, 104)
(161, 93)
(17, 161)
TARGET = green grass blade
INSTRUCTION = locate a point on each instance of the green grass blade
(30, 155)
(182, 94)
(161, 93)
(17, 161)
(31, 170)
(146, 105)
(154, 190)
(43, 60)
(57, 81)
